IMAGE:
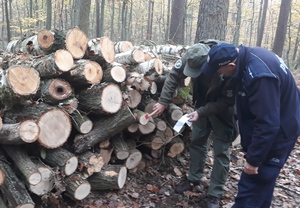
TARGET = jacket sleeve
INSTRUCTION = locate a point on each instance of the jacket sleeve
(225, 99)
(171, 83)
(264, 103)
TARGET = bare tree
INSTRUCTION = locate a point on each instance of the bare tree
(212, 20)
(177, 22)
(7, 21)
(49, 14)
(84, 12)
(285, 9)
(262, 21)
(150, 19)
(236, 36)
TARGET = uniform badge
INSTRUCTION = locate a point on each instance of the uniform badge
(229, 93)
(178, 64)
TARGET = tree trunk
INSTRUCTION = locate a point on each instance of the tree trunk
(110, 177)
(133, 159)
(114, 73)
(148, 67)
(123, 46)
(130, 57)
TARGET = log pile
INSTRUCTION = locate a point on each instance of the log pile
(74, 115)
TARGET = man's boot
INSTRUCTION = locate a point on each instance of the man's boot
(185, 186)
(213, 202)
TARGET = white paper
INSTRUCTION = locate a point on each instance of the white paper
(180, 123)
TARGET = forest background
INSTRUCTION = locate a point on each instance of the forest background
(272, 24)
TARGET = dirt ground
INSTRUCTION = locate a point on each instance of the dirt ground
(154, 185)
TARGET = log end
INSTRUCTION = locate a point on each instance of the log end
(138, 55)
(122, 177)
(29, 131)
(112, 99)
(93, 72)
(45, 38)
(86, 127)
(118, 74)
(108, 49)
(76, 42)
(55, 128)
(82, 191)
(63, 60)
(35, 178)
(23, 80)
(60, 89)
(134, 159)
(71, 165)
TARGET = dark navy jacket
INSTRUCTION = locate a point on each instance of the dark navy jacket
(268, 104)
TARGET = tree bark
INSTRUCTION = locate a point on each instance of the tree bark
(81, 122)
(130, 57)
(123, 46)
(77, 187)
(121, 149)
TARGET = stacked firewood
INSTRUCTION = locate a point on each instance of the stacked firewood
(74, 114)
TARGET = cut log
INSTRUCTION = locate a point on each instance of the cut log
(101, 50)
(165, 49)
(104, 144)
(90, 163)
(24, 163)
(132, 98)
(152, 140)
(105, 98)
(133, 159)
(175, 146)
(51, 40)
(150, 55)
(157, 154)
(81, 122)
(146, 105)
(147, 128)
(54, 91)
(166, 135)
(121, 149)
(123, 46)
(141, 117)
(55, 125)
(76, 42)
(2, 176)
(161, 125)
(106, 154)
(77, 187)
(133, 127)
(181, 95)
(14, 190)
(62, 158)
(148, 67)
(173, 114)
(86, 72)
(1, 124)
(54, 64)
(19, 133)
(17, 84)
(130, 57)
(110, 177)
(104, 128)
(115, 73)
(47, 182)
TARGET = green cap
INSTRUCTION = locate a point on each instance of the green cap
(195, 56)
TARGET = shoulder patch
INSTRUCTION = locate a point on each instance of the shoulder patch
(229, 93)
(178, 64)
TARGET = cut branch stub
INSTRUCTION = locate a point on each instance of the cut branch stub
(105, 98)
(76, 42)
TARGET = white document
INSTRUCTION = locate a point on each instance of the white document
(180, 123)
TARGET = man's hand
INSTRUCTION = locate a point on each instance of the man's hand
(158, 109)
(249, 169)
(193, 116)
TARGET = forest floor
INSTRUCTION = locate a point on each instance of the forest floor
(154, 185)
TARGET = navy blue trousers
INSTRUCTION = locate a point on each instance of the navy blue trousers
(256, 191)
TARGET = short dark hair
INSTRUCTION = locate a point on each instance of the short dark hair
(29, 42)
